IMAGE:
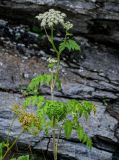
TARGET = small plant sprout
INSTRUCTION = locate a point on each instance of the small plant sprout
(51, 114)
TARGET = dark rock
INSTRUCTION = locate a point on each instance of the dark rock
(98, 21)
(2, 23)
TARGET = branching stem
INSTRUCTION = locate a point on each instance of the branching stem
(14, 142)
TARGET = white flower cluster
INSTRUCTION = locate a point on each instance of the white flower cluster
(52, 60)
(68, 25)
(52, 18)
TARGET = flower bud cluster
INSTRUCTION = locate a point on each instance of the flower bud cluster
(52, 60)
(68, 25)
(26, 119)
(52, 18)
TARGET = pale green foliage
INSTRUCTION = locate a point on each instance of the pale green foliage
(83, 136)
(55, 109)
(38, 81)
(33, 101)
(44, 79)
(21, 158)
(70, 45)
(49, 109)
(68, 127)
(82, 109)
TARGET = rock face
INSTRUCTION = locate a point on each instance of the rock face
(92, 74)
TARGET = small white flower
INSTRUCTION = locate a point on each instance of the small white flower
(55, 22)
(61, 21)
(43, 24)
(50, 24)
(51, 10)
(63, 14)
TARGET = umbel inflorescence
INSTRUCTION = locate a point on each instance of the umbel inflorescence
(52, 18)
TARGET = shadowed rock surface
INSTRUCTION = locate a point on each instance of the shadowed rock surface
(92, 74)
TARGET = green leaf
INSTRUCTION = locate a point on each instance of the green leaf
(80, 133)
(34, 101)
(1, 147)
(89, 143)
(55, 109)
(36, 29)
(23, 157)
(68, 129)
(38, 81)
(83, 137)
(51, 65)
(70, 45)
(69, 34)
(88, 107)
(86, 115)
(73, 45)
(62, 46)
(59, 84)
(81, 108)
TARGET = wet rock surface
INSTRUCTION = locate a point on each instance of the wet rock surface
(92, 74)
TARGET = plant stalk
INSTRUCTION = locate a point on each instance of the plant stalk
(54, 140)
(14, 142)
(53, 83)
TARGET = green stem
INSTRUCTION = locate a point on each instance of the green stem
(51, 40)
(53, 83)
(14, 142)
(58, 61)
(54, 140)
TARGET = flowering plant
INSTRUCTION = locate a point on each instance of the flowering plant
(52, 114)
